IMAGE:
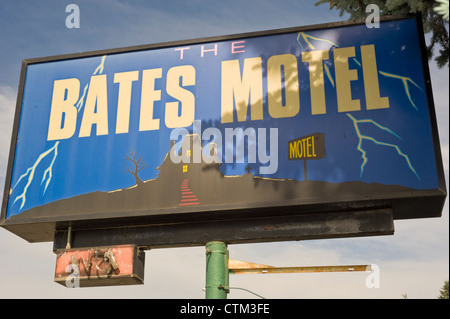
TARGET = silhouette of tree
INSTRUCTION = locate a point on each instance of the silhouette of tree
(138, 165)
(444, 291)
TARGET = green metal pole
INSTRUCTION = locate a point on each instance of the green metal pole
(217, 285)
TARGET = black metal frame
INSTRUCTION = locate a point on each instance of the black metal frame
(401, 205)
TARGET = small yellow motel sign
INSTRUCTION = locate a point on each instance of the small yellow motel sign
(307, 147)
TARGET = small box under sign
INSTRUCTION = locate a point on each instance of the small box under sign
(100, 266)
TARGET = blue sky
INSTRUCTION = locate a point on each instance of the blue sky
(31, 29)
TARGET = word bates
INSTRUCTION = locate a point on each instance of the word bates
(239, 93)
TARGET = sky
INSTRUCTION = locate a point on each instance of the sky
(413, 261)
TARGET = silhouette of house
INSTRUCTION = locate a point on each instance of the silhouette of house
(189, 163)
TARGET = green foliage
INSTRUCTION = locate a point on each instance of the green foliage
(433, 22)
(443, 8)
(444, 291)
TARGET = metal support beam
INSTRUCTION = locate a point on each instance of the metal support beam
(239, 268)
(373, 222)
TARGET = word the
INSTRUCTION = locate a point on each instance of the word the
(235, 47)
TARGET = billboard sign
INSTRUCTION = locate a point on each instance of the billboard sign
(214, 126)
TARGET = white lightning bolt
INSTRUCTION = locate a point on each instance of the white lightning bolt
(98, 70)
(48, 173)
(405, 80)
(362, 137)
(81, 100)
(31, 171)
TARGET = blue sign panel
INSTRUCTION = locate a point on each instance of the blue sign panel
(206, 126)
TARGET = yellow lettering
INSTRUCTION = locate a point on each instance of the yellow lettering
(371, 85)
(125, 80)
(148, 97)
(344, 76)
(291, 105)
(62, 106)
(186, 98)
(233, 86)
(316, 81)
(299, 149)
(96, 107)
(308, 143)
(291, 150)
(313, 147)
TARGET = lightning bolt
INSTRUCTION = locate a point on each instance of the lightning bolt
(48, 172)
(307, 37)
(362, 137)
(98, 70)
(31, 171)
(81, 100)
(405, 80)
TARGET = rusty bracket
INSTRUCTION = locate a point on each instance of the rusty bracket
(237, 267)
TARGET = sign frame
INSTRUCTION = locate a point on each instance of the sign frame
(403, 205)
